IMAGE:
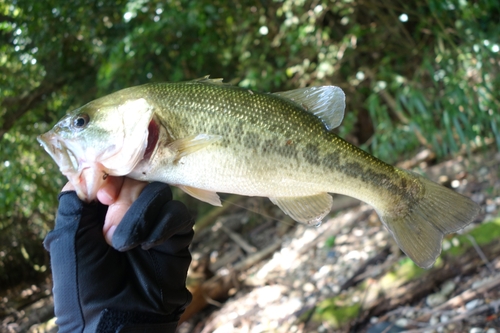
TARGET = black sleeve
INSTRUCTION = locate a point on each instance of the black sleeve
(100, 289)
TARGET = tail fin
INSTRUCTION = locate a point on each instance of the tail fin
(419, 233)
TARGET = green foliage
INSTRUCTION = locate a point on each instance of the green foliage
(330, 242)
(486, 233)
(416, 74)
(482, 235)
(445, 95)
(405, 270)
(336, 311)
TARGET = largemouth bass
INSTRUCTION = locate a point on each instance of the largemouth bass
(207, 137)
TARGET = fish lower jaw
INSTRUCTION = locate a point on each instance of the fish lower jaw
(88, 181)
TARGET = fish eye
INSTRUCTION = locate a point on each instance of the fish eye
(80, 121)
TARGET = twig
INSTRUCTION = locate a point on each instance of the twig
(213, 302)
(237, 239)
(256, 257)
(469, 294)
(463, 298)
(333, 229)
(210, 218)
(481, 254)
(463, 316)
(361, 273)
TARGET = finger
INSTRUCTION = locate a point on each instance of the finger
(68, 187)
(108, 194)
(129, 192)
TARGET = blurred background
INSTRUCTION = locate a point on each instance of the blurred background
(418, 76)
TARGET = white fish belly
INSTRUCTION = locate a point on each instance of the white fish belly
(221, 170)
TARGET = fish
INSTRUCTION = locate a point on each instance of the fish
(205, 136)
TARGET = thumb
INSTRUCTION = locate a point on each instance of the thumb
(128, 192)
(114, 216)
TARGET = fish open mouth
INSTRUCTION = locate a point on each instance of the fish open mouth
(86, 179)
(47, 141)
(64, 157)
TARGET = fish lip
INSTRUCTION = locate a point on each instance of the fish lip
(60, 153)
(69, 165)
(50, 143)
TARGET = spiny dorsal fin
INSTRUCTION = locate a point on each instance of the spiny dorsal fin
(207, 79)
(327, 102)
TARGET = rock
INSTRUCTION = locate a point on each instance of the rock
(448, 288)
(434, 320)
(478, 197)
(490, 208)
(441, 296)
(481, 282)
(476, 330)
(385, 327)
(436, 299)
(473, 304)
(402, 322)
(308, 287)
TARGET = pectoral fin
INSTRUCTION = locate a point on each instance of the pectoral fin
(188, 145)
(309, 210)
(203, 195)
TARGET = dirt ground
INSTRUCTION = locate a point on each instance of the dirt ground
(255, 270)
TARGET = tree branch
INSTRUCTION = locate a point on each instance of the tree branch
(19, 105)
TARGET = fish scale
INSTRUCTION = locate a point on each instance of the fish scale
(207, 137)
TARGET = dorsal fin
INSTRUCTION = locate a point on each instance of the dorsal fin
(207, 79)
(327, 102)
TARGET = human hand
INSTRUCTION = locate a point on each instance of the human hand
(118, 193)
(140, 286)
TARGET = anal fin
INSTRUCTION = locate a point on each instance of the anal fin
(203, 195)
(309, 210)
